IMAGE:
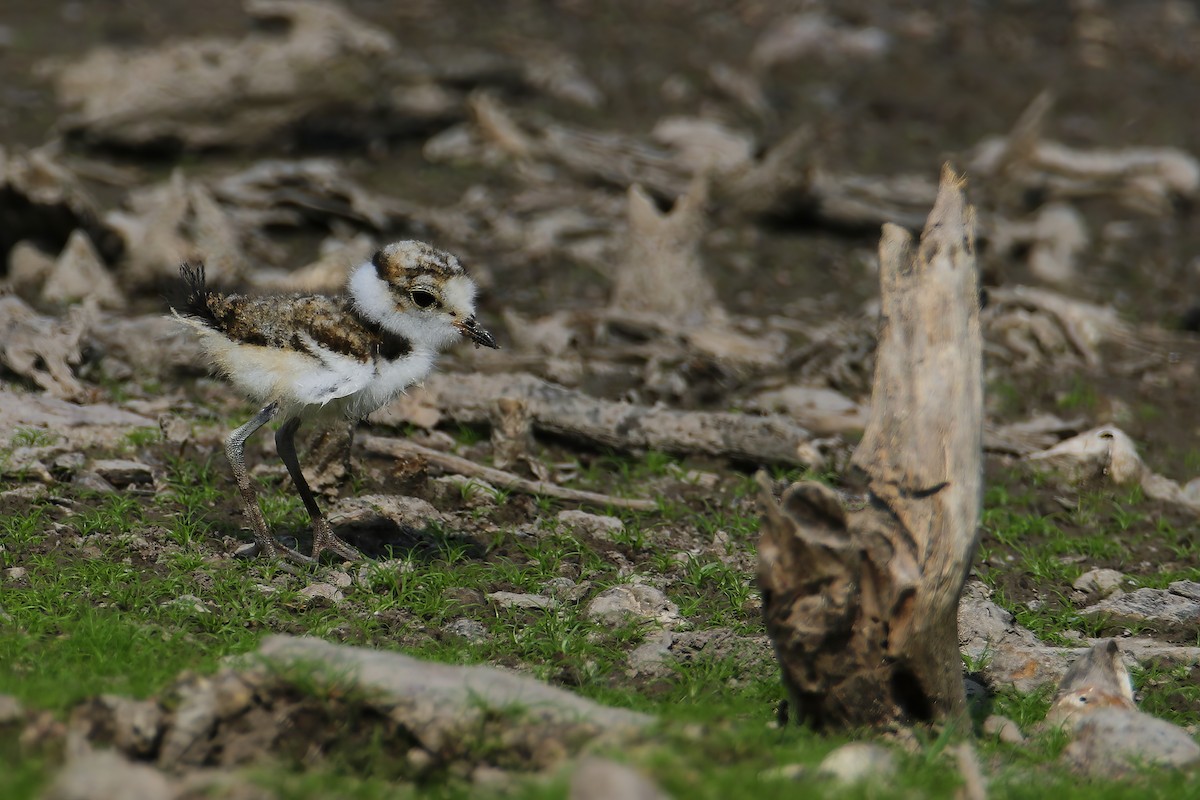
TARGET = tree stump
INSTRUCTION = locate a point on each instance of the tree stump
(861, 603)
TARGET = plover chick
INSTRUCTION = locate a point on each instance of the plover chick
(313, 357)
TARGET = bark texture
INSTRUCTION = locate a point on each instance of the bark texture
(861, 602)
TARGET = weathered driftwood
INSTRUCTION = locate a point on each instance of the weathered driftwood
(788, 182)
(43, 201)
(662, 274)
(254, 91)
(402, 448)
(862, 603)
(1145, 179)
(45, 349)
(768, 439)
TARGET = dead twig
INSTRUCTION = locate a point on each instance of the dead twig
(399, 448)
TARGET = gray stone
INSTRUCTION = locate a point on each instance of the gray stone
(653, 656)
(233, 695)
(470, 629)
(475, 492)
(188, 602)
(11, 710)
(1003, 729)
(1102, 582)
(1008, 654)
(565, 589)
(859, 761)
(598, 526)
(323, 593)
(519, 600)
(1163, 607)
(107, 775)
(444, 703)
(122, 472)
(602, 779)
(188, 739)
(1111, 741)
(15, 573)
(28, 493)
(377, 573)
(89, 481)
(1188, 589)
(637, 600)
(136, 724)
(68, 464)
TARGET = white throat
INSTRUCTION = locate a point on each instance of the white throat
(426, 330)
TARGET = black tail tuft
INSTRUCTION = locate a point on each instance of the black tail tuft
(196, 295)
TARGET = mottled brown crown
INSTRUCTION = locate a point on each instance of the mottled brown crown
(400, 261)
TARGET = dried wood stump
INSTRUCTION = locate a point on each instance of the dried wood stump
(861, 603)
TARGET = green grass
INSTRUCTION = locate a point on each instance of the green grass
(94, 614)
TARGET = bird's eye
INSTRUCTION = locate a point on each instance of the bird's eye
(422, 298)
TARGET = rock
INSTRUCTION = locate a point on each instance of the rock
(1188, 589)
(137, 724)
(816, 35)
(653, 656)
(1169, 609)
(786, 772)
(79, 273)
(106, 775)
(28, 267)
(91, 482)
(1098, 679)
(1009, 655)
(1102, 582)
(188, 738)
(382, 573)
(1111, 741)
(475, 492)
(122, 472)
(598, 526)
(977, 694)
(323, 593)
(233, 695)
(29, 493)
(78, 426)
(11, 710)
(443, 706)
(15, 573)
(470, 629)
(518, 600)
(188, 602)
(613, 606)
(565, 589)
(1003, 729)
(44, 349)
(372, 509)
(602, 779)
(859, 761)
(1140, 650)
(67, 464)
(823, 411)
(203, 93)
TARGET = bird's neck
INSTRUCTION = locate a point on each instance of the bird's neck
(372, 300)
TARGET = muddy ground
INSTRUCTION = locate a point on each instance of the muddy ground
(936, 80)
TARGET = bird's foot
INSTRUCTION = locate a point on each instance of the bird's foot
(268, 547)
(325, 539)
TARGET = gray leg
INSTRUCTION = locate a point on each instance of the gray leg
(323, 536)
(235, 451)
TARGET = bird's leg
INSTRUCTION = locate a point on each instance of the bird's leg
(323, 535)
(235, 451)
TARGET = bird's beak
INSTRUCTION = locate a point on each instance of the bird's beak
(470, 328)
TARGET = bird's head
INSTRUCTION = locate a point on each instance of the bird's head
(419, 292)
